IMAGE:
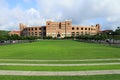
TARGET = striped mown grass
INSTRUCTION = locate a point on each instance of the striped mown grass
(60, 68)
(58, 50)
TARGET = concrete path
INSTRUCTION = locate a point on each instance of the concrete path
(89, 64)
(62, 73)
(59, 60)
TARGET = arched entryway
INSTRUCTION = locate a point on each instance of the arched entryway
(58, 35)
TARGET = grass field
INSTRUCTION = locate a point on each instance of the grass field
(59, 50)
(99, 77)
(57, 68)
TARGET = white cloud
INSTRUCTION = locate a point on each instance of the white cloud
(80, 9)
(10, 19)
(84, 12)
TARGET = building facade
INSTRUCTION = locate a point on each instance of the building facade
(38, 31)
(59, 29)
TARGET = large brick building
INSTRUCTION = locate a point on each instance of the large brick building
(58, 29)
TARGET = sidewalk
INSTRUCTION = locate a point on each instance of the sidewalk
(60, 73)
(88, 64)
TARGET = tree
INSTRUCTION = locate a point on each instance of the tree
(117, 31)
(3, 34)
(47, 37)
(14, 37)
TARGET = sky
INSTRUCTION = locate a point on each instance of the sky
(81, 12)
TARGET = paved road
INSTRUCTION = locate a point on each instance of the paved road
(65, 73)
(89, 64)
(59, 60)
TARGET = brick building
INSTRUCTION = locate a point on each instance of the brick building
(58, 29)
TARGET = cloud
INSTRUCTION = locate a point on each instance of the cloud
(10, 18)
(82, 12)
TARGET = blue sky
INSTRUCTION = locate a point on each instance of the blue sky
(82, 12)
(24, 4)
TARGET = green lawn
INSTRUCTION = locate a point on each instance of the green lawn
(60, 68)
(58, 49)
(97, 77)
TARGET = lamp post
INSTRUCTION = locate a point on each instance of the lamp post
(42, 32)
(110, 38)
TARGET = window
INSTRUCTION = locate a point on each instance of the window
(60, 26)
(39, 28)
(35, 28)
(81, 28)
(39, 33)
(32, 28)
(72, 28)
(89, 28)
(73, 33)
(77, 28)
(89, 32)
(35, 33)
(68, 23)
(85, 28)
(81, 33)
(32, 33)
(77, 33)
(48, 23)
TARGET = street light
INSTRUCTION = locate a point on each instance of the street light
(110, 38)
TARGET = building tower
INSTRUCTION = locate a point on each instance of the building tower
(22, 27)
(98, 28)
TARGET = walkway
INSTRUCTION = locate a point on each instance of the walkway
(63, 73)
(57, 73)
(88, 64)
(60, 60)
